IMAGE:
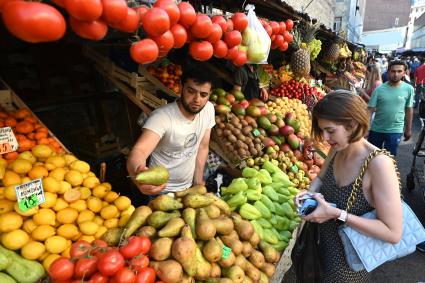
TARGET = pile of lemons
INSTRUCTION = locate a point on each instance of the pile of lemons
(77, 205)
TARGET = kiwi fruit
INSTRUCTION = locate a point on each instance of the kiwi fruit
(219, 132)
(221, 125)
(227, 132)
(232, 138)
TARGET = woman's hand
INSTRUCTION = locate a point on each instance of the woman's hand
(299, 196)
(323, 212)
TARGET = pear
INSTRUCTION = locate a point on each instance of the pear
(172, 228)
(157, 175)
(184, 251)
(165, 203)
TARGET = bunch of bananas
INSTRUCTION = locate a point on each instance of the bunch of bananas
(344, 51)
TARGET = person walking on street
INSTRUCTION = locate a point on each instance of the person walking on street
(372, 81)
(420, 83)
(392, 103)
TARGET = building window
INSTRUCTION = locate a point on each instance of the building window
(337, 24)
(396, 22)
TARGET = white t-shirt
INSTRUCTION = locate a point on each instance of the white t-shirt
(179, 144)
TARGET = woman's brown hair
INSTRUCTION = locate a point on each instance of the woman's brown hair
(342, 107)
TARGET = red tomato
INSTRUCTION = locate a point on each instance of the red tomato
(125, 275)
(289, 24)
(84, 10)
(216, 33)
(221, 21)
(171, 8)
(282, 27)
(147, 275)
(114, 11)
(201, 50)
(165, 42)
(202, 27)
(130, 23)
(232, 38)
(99, 244)
(79, 248)
(28, 21)
(220, 49)
(284, 46)
(61, 269)
(179, 35)
(133, 246)
(288, 36)
(110, 262)
(98, 278)
(85, 267)
(94, 30)
(141, 10)
(279, 40)
(232, 53)
(229, 24)
(155, 22)
(240, 21)
(144, 51)
(139, 262)
(275, 27)
(240, 59)
(187, 14)
(268, 29)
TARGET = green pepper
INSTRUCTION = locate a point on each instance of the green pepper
(236, 186)
(292, 225)
(270, 167)
(254, 184)
(5, 278)
(237, 199)
(270, 192)
(282, 223)
(282, 198)
(258, 228)
(293, 191)
(253, 195)
(249, 212)
(265, 212)
(284, 191)
(273, 219)
(248, 172)
(4, 261)
(264, 177)
(284, 209)
(270, 237)
(268, 203)
(280, 177)
(280, 246)
(264, 223)
(286, 234)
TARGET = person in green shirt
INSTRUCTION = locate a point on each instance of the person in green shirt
(392, 103)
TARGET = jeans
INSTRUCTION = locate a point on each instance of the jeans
(389, 141)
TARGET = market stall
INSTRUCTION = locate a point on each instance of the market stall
(61, 219)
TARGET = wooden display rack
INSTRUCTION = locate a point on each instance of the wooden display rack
(10, 101)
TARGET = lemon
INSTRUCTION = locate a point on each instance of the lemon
(67, 215)
(25, 180)
(111, 196)
(33, 250)
(98, 220)
(28, 212)
(49, 166)
(91, 182)
(79, 205)
(111, 223)
(109, 211)
(50, 200)
(55, 244)
(42, 232)
(108, 185)
(43, 256)
(37, 171)
(57, 161)
(74, 177)
(14, 240)
(100, 191)
(80, 166)
(85, 192)
(58, 173)
(42, 151)
(77, 237)
(49, 260)
(21, 166)
(60, 204)
(88, 227)
(68, 231)
(6, 205)
(129, 210)
(29, 225)
(45, 216)
(52, 185)
(94, 204)
(100, 232)
(69, 158)
(10, 193)
(85, 215)
(104, 203)
(122, 203)
(11, 178)
(72, 195)
(87, 238)
(27, 155)
(65, 186)
(10, 221)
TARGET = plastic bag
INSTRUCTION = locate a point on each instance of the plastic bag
(256, 39)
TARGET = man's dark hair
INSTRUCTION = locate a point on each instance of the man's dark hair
(397, 62)
(198, 74)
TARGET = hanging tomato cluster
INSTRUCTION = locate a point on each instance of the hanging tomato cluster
(279, 33)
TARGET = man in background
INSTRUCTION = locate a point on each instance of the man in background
(420, 83)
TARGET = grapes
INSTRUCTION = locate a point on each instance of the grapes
(314, 46)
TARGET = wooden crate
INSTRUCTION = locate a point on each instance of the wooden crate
(10, 101)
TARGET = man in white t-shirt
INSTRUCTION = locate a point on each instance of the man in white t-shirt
(177, 136)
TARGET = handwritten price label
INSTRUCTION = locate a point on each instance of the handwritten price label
(8, 142)
(30, 194)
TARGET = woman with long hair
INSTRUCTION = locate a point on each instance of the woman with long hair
(372, 81)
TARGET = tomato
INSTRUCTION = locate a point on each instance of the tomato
(94, 30)
(202, 27)
(220, 49)
(232, 53)
(99, 244)
(165, 42)
(288, 36)
(61, 269)
(84, 10)
(147, 275)
(240, 59)
(229, 24)
(187, 14)
(133, 246)
(98, 278)
(289, 24)
(216, 33)
(282, 27)
(130, 23)
(139, 262)
(85, 267)
(60, 3)
(232, 38)
(279, 40)
(125, 275)
(221, 21)
(141, 10)
(171, 8)
(275, 27)
(110, 262)
(79, 248)
(201, 50)
(240, 21)
(114, 11)
(28, 21)
(155, 22)
(284, 46)
(144, 51)
(268, 29)
(179, 35)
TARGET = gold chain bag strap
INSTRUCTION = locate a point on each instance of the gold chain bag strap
(365, 252)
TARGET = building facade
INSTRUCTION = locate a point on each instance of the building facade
(322, 10)
(417, 39)
(349, 18)
(417, 10)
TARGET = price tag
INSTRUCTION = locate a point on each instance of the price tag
(256, 132)
(8, 142)
(30, 194)
(294, 168)
(226, 252)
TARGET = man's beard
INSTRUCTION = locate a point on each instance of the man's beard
(187, 107)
